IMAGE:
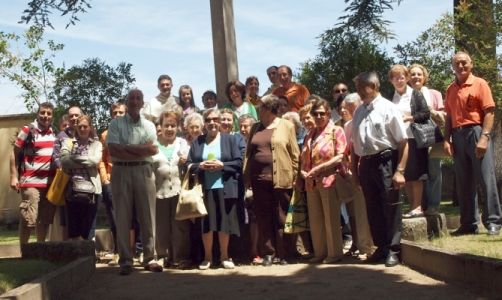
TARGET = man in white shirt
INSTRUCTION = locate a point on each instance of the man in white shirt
(163, 101)
(379, 154)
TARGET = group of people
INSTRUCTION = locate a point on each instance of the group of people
(349, 157)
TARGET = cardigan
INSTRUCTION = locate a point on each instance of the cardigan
(90, 161)
(231, 158)
(285, 154)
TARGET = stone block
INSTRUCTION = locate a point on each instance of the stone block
(425, 227)
(58, 251)
(453, 222)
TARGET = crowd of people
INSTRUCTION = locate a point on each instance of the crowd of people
(349, 157)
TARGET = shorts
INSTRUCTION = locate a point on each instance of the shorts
(35, 208)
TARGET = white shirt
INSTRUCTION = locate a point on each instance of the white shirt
(153, 108)
(403, 103)
(377, 126)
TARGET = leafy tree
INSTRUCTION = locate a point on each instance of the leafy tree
(94, 86)
(38, 11)
(342, 56)
(34, 70)
(433, 49)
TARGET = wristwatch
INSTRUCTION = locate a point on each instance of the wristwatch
(400, 170)
(487, 134)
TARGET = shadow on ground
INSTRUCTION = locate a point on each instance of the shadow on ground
(348, 280)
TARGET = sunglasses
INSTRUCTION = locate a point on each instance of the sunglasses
(318, 113)
(340, 91)
(215, 119)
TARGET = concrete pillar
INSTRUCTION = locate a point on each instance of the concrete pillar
(224, 46)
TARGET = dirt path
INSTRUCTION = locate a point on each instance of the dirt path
(349, 280)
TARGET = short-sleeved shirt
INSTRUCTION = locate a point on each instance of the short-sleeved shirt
(297, 94)
(153, 108)
(465, 103)
(403, 103)
(213, 179)
(377, 126)
(37, 164)
(124, 131)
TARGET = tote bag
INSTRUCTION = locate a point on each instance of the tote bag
(191, 201)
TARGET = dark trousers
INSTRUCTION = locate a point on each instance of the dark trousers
(471, 172)
(80, 217)
(270, 207)
(382, 200)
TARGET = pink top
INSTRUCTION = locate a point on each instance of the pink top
(329, 143)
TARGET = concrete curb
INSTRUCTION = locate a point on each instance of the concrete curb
(476, 271)
(56, 284)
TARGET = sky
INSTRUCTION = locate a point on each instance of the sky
(174, 37)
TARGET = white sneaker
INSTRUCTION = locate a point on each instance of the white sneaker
(204, 265)
(228, 264)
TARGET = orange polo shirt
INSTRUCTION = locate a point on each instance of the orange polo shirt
(466, 103)
(297, 94)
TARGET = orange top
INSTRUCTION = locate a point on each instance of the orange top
(466, 103)
(105, 166)
(297, 94)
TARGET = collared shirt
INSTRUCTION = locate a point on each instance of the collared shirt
(37, 163)
(466, 103)
(124, 131)
(403, 103)
(297, 95)
(377, 126)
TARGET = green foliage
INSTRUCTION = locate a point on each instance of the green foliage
(94, 86)
(27, 62)
(343, 56)
(39, 11)
(433, 49)
(366, 16)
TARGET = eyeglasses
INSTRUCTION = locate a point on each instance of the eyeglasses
(214, 119)
(340, 91)
(318, 113)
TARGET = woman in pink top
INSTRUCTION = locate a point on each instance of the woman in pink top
(321, 157)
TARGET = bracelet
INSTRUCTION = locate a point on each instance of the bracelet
(400, 170)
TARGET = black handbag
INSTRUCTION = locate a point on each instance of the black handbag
(426, 134)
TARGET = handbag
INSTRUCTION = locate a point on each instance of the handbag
(191, 201)
(82, 190)
(297, 218)
(426, 134)
(55, 193)
(345, 188)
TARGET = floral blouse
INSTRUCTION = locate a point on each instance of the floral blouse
(329, 143)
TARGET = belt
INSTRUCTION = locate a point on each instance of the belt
(130, 163)
(384, 154)
(458, 128)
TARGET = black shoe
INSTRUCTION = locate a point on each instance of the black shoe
(378, 256)
(392, 259)
(125, 270)
(267, 261)
(462, 231)
(493, 230)
(283, 262)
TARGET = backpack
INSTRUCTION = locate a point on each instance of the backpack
(27, 150)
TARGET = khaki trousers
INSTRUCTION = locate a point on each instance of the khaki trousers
(359, 223)
(324, 217)
(134, 186)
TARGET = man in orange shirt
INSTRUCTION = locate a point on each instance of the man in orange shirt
(296, 93)
(469, 121)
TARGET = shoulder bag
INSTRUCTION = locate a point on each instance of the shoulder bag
(426, 134)
(191, 201)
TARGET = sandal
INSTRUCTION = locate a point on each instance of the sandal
(257, 260)
(413, 214)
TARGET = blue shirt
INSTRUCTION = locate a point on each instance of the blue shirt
(213, 179)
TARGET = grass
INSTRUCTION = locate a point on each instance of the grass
(446, 207)
(10, 236)
(480, 244)
(15, 272)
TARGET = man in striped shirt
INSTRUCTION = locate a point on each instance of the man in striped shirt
(35, 142)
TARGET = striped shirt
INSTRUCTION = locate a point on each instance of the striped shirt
(37, 162)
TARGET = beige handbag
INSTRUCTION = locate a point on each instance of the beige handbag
(345, 188)
(191, 201)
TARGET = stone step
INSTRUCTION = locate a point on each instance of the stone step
(424, 227)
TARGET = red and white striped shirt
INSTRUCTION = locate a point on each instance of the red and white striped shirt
(37, 168)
